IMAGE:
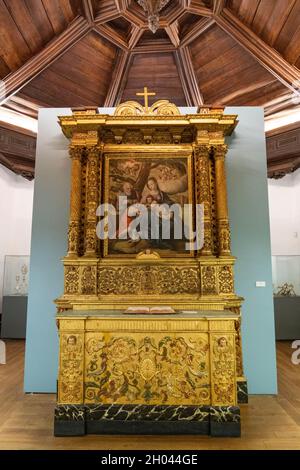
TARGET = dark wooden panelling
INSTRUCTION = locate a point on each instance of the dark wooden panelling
(283, 150)
(277, 22)
(62, 12)
(28, 25)
(159, 73)
(81, 77)
(284, 142)
(227, 74)
(148, 37)
(245, 9)
(288, 42)
(186, 22)
(17, 150)
(122, 26)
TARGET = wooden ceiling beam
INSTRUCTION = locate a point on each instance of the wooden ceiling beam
(13, 106)
(218, 6)
(135, 35)
(134, 18)
(22, 106)
(136, 9)
(26, 103)
(107, 12)
(183, 81)
(122, 5)
(109, 15)
(199, 28)
(173, 15)
(20, 130)
(268, 57)
(15, 81)
(244, 90)
(88, 11)
(111, 35)
(282, 103)
(188, 77)
(119, 79)
(200, 10)
(173, 33)
(277, 102)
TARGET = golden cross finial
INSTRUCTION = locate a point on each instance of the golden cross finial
(146, 94)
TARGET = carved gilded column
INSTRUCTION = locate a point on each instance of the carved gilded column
(221, 199)
(92, 200)
(203, 196)
(75, 201)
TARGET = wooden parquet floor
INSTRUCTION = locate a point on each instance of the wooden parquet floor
(268, 422)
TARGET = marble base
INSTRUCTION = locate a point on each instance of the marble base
(146, 419)
(242, 391)
(69, 420)
(225, 421)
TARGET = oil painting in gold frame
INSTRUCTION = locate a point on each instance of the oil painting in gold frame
(149, 179)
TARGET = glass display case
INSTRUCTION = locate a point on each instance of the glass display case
(16, 275)
(15, 292)
(286, 288)
(286, 275)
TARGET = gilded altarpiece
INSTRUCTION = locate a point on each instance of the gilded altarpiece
(142, 373)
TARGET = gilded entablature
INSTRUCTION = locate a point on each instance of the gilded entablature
(148, 280)
(194, 280)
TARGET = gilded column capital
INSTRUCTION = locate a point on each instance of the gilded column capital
(93, 152)
(219, 151)
(76, 152)
(202, 150)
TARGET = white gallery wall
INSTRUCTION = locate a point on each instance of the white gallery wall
(16, 197)
(284, 206)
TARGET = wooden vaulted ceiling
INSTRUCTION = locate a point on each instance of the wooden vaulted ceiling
(57, 53)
